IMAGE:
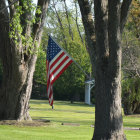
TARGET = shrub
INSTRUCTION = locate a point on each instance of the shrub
(131, 96)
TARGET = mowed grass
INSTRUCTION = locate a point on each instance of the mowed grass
(79, 116)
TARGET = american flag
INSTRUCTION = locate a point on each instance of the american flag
(57, 61)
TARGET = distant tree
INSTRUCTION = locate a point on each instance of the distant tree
(20, 36)
(131, 95)
(131, 43)
(110, 18)
(134, 18)
(71, 83)
(131, 61)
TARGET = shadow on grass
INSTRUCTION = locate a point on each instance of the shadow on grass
(38, 102)
(63, 110)
(81, 122)
(131, 125)
(65, 103)
(81, 104)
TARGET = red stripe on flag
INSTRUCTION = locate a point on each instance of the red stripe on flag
(61, 55)
(56, 77)
(49, 84)
(51, 102)
(62, 62)
(51, 92)
(57, 62)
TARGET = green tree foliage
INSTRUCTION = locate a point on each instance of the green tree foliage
(131, 95)
(70, 85)
(71, 82)
(40, 71)
(131, 61)
(133, 23)
(131, 42)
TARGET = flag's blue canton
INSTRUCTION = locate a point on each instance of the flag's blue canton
(52, 50)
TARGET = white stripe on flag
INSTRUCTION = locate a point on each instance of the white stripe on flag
(49, 88)
(56, 57)
(57, 72)
(62, 58)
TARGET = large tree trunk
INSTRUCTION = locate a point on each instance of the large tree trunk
(110, 18)
(16, 89)
(88, 22)
(18, 65)
(108, 115)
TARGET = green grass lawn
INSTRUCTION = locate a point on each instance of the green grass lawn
(64, 112)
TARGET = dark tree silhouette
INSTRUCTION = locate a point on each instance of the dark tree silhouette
(105, 53)
(18, 55)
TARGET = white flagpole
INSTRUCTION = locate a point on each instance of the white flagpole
(72, 59)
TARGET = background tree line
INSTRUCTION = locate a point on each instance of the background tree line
(67, 28)
(65, 25)
(131, 61)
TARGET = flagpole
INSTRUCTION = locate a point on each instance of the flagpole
(72, 59)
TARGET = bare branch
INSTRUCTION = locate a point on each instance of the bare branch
(61, 25)
(77, 23)
(38, 26)
(26, 19)
(70, 29)
(4, 17)
(132, 60)
(136, 27)
(124, 12)
(11, 3)
(88, 23)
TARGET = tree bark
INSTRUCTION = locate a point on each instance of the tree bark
(110, 18)
(108, 116)
(18, 66)
(89, 27)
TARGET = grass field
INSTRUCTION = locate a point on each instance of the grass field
(78, 118)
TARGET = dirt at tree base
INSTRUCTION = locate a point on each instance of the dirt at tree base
(34, 123)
